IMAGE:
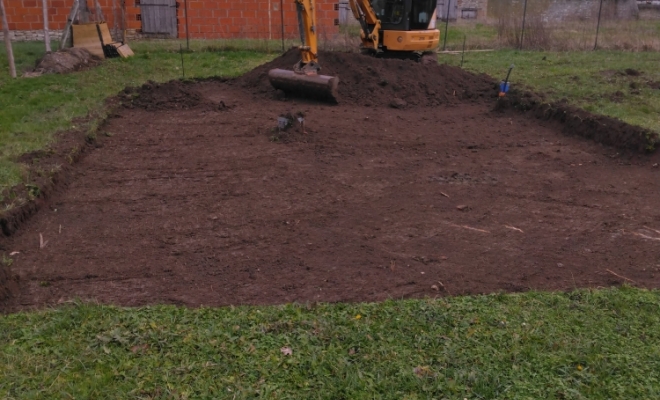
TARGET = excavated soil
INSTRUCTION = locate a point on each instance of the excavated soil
(195, 197)
(365, 81)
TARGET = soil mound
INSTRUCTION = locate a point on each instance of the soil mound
(173, 95)
(152, 96)
(65, 61)
(370, 81)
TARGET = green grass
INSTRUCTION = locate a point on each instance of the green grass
(583, 345)
(586, 79)
(33, 109)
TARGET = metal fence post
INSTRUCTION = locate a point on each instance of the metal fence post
(600, 8)
(522, 33)
(444, 44)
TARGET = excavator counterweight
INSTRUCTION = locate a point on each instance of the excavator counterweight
(304, 80)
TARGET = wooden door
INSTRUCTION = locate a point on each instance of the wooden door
(159, 17)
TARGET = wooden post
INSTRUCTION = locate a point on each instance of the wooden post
(69, 21)
(83, 11)
(44, 5)
(5, 30)
(115, 21)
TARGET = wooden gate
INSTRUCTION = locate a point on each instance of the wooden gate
(159, 17)
(442, 9)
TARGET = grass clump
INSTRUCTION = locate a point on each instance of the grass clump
(586, 344)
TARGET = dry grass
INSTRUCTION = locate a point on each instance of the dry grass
(537, 34)
(577, 35)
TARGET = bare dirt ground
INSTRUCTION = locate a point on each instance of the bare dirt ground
(196, 199)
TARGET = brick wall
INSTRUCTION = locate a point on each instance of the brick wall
(24, 15)
(209, 19)
(260, 19)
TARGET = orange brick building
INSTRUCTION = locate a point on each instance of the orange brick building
(207, 19)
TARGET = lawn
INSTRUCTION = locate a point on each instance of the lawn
(602, 344)
(596, 81)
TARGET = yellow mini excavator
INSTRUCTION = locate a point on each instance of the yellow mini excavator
(391, 28)
(397, 28)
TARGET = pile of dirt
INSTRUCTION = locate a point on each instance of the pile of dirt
(173, 95)
(65, 61)
(370, 81)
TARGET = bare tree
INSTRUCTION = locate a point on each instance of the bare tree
(5, 30)
(46, 32)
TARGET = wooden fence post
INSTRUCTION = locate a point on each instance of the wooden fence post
(44, 5)
(5, 30)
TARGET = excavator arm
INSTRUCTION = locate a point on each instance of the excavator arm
(305, 79)
(309, 64)
(369, 22)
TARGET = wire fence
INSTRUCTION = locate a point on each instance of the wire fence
(271, 25)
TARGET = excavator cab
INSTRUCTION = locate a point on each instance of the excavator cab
(397, 28)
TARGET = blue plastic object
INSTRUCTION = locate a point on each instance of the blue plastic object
(504, 87)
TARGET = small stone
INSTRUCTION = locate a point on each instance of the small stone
(398, 103)
(435, 287)
(560, 265)
(462, 207)
(655, 165)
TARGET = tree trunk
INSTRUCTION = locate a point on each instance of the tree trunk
(5, 30)
(44, 4)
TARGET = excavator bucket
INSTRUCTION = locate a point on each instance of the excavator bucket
(319, 87)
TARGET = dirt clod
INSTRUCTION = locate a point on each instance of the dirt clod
(398, 103)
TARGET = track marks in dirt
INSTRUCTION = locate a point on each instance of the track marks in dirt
(199, 207)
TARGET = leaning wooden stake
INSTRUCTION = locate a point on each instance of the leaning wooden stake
(99, 12)
(44, 4)
(69, 21)
(5, 30)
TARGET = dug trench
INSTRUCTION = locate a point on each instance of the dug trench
(416, 184)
